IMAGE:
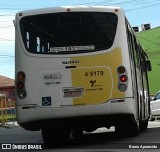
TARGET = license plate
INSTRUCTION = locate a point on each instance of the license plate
(72, 92)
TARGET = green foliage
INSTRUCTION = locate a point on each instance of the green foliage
(150, 40)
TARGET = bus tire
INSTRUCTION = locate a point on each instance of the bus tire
(143, 125)
(128, 128)
(54, 136)
(120, 130)
(76, 133)
(133, 129)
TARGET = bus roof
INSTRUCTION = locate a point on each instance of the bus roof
(70, 9)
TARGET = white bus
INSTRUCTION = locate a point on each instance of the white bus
(79, 68)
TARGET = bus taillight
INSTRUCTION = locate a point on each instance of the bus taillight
(122, 78)
(122, 87)
(22, 94)
(21, 75)
(20, 85)
(121, 69)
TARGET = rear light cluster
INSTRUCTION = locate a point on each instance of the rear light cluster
(20, 85)
(122, 78)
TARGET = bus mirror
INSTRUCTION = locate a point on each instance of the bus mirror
(148, 65)
(143, 66)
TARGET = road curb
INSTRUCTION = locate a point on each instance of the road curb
(9, 125)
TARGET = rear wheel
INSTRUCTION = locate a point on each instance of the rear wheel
(55, 135)
(76, 133)
(127, 128)
(143, 125)
(120, 130)
(133, 129)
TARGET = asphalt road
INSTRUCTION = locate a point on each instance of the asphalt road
(102, 139)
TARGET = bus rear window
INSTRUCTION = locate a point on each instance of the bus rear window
(68, 33)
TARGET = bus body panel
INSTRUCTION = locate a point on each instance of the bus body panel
(95, 73)
(99, 83)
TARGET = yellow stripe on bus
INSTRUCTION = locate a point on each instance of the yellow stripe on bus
(98, 76)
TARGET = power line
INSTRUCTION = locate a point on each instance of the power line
(153, 5)
(3, 39)
(9, 14)
(124, 3)
(7, 61)
(139, 5)
(9, 26)
(6, 55)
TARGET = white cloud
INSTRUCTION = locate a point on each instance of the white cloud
(7, 28)
(7, 38)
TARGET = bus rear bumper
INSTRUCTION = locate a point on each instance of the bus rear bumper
(32, 117)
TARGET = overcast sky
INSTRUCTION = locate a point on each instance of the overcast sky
(138, 12)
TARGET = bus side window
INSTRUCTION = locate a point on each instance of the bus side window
(135, 51)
